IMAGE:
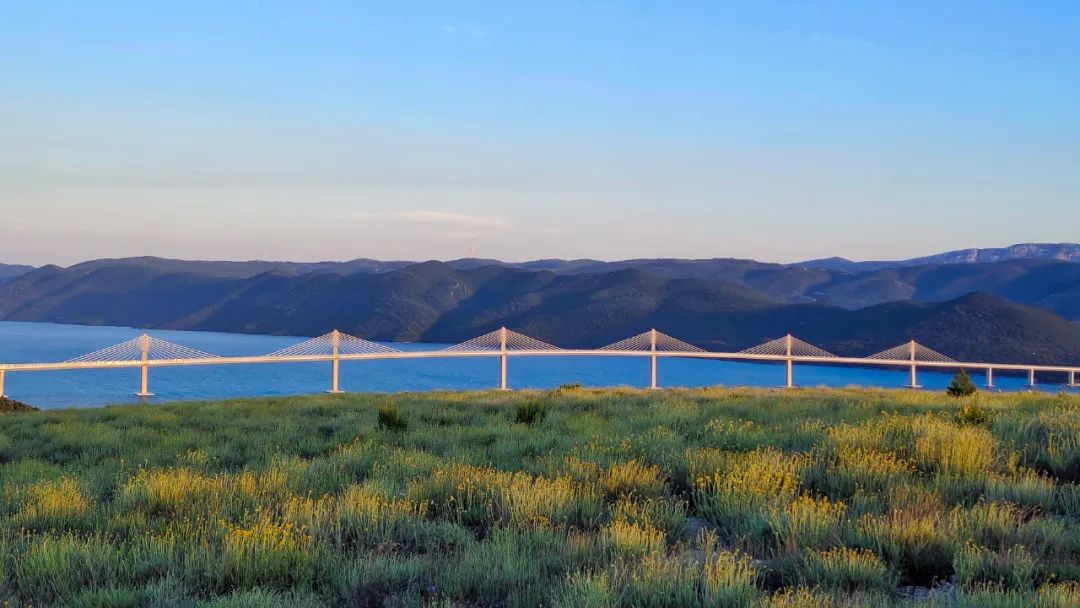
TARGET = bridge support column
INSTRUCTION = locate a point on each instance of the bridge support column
(1072, 381)
(502, 359)
(789, 364)
(335, 363)
(989, 377)
(2, 383)
(913, 380)
(1031, 379)
(144, 368)
(652, 359)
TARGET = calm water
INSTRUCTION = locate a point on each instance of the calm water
(40, 342)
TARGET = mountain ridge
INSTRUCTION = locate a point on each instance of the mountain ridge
(10, 272)
(1052, 285)
(1068, 252)
(437, 302)
(1065, 252)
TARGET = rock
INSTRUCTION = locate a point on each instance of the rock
(940, 592)
(10, 405)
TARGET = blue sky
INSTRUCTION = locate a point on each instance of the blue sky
(333, 130)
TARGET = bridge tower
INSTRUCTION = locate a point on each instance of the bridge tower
(913, 381)
(652, 358)
(144, 367)
(502, 359)
(788, 362)
(335, 362)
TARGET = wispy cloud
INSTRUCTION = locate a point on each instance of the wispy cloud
(451, 220)
(467, 31)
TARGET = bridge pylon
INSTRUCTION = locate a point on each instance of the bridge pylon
(785, 349)
(652, 359)
(335, 362)
(912, 353)
(502, 359)
(144, 367)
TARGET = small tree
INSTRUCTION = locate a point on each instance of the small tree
(961, 385)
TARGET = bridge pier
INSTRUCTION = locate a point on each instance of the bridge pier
(1072, 381)
(789, 364)
(144, 368)
(502, 359)
(652, 359)
(335, 367)
(335, 363)
(144, 381)
(1031, 379)
(989, 377)
(913, 375)
(913, 378)
(2, 383)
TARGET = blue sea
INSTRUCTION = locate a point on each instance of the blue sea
(44, 342)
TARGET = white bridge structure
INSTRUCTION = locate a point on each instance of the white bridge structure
(146, 352)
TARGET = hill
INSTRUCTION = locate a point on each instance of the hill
(236, 270)
(436, 302)
(1050, 284)
(1067, 252)
(9, 272)
(1044, 276)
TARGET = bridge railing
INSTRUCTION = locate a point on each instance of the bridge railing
(334, 347)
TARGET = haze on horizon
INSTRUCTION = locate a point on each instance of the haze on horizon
(778, 131)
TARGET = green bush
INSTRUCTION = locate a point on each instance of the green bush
(106, 598)
(530, 412)
(961, 385)
(973, 413)
(391, 419)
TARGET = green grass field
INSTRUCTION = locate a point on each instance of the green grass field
(567, 498)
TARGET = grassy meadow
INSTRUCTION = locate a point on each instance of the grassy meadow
(568, 498)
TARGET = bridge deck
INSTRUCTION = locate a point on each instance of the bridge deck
(440, 354)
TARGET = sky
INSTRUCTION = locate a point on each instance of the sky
(318, 130)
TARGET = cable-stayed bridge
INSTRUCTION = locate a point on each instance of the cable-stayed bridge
(146, 352)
